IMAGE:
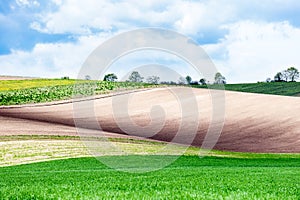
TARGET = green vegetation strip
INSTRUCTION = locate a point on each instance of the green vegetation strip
(27, 149)
(190, 177)
(276, 88)
(46, 90)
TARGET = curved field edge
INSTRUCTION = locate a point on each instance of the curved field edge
(22, 149)
(17, 92)
(189, 177)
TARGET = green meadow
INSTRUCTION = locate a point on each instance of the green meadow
(60, 167)
(189, 177)
(275, 88)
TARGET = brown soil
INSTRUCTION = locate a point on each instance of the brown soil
(253, 122)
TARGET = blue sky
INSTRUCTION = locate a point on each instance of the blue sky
(247, 40)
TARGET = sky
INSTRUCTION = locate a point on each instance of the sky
(248, 40)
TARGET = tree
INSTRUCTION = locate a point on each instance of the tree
(182, 81)
(293, 73)
(219, 78)
(87, 77)
(285, 75)
(268, 80)
(110, 77)
(194, 83)
(153, 79)
(278, 77)
(168, 82)
(135, 77)
(202, 81)
(188, 79)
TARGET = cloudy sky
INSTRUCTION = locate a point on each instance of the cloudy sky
(247, 40)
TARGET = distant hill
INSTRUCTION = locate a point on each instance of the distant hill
(276, 88)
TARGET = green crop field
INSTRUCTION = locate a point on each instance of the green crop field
(15, 92)
(276, 88)
(190, 177)
(221, 175)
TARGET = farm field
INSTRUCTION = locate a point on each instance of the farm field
(8, 85)
(246, 128)
(24, 149)
(42, 156)
(16, 92)
(276, 88)
(190, 177)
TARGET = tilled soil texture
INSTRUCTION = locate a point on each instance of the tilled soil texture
(252, 122)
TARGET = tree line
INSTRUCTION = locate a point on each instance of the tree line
(290, 74)
(136, 77)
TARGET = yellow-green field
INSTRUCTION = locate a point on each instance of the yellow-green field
(7, 85)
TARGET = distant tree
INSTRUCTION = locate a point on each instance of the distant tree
(219, 78)
(172, 83)
(285, 75)
(278, 77)
(65, 78)
(194, 83)
(181, 81)
(293, 73)
(168, 82)
(268, 80)
(87, 77)
(202, 81)
(165, 82)
(153, 79)
(188, 79)
(110, 77)
(135, 77)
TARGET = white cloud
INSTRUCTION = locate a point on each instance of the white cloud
(51, 59)
(196, 17)
(187, 17)
(28, 3)
(57, 2)
(80, 17)
(250, 50)
(254, 51)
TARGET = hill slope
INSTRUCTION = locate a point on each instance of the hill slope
(253, 122)
(277, 88)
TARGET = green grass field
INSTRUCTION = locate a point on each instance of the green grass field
(190, 177)
(276, 88)
(221, 175)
